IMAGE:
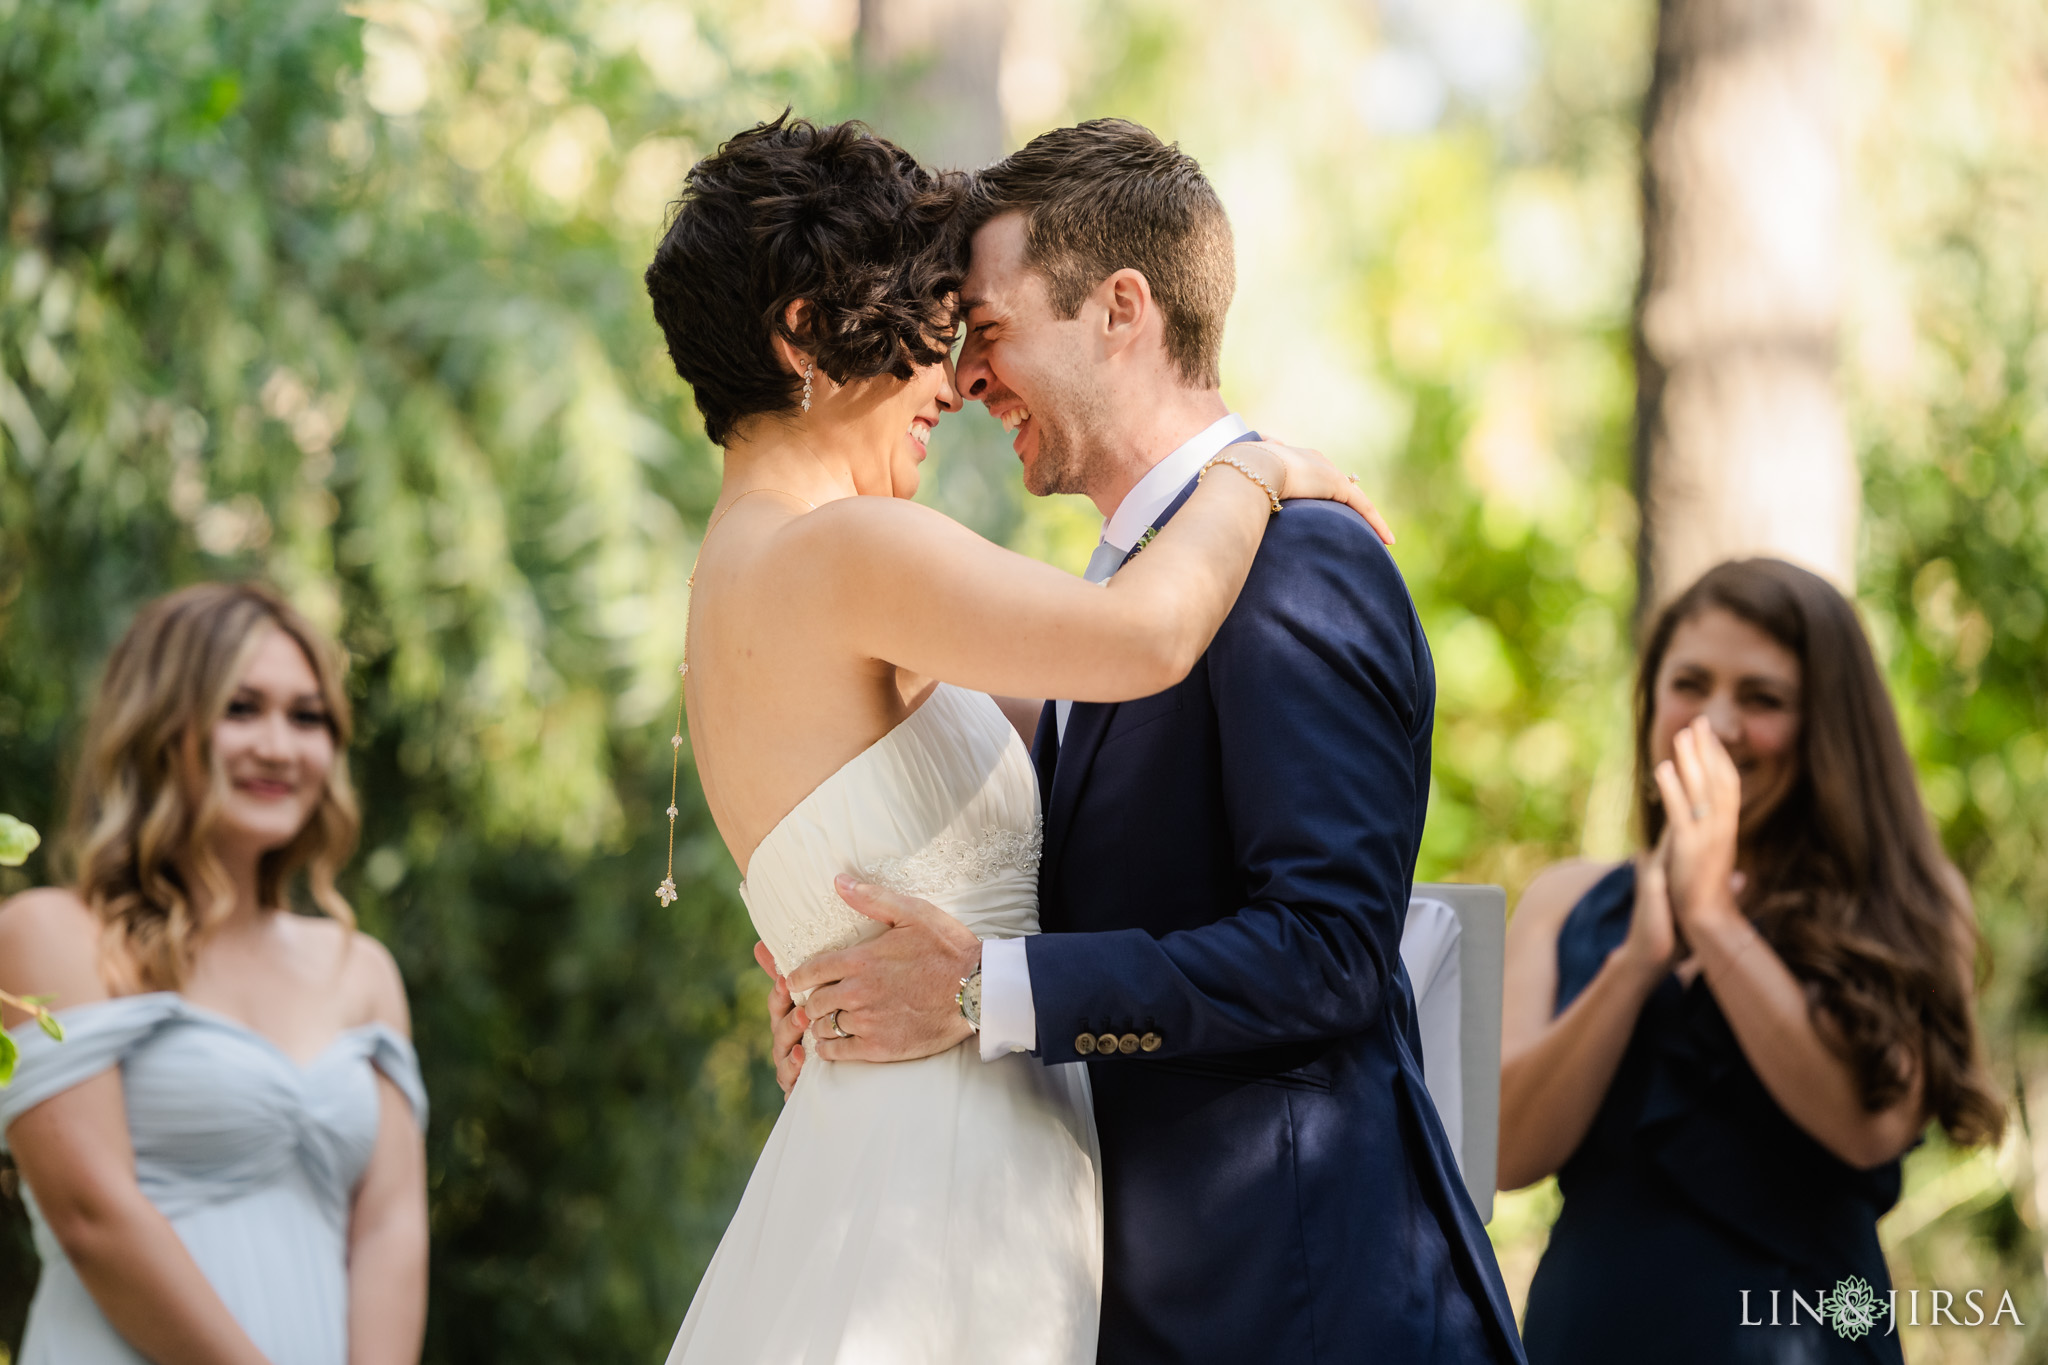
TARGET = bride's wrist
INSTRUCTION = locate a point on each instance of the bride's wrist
(1271, 468)
(1261, 469)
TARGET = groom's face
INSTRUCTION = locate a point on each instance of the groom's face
(1035, 371)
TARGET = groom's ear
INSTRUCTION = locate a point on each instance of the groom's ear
(1127, 306)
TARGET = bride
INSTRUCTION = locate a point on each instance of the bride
(839, 660)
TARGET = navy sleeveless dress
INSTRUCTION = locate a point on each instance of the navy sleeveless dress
(1692, 1186)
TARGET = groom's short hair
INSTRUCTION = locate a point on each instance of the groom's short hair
(1108, 195)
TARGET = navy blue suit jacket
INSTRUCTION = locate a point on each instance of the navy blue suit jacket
(1227, 868)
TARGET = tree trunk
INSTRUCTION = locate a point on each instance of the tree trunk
(1741, 447)
(933, 71)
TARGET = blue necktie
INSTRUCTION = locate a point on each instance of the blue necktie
(1106, 560)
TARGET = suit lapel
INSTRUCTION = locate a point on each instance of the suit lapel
(1086, 725)
(1045, 754)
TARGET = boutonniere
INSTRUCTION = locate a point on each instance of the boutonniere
(1143, 541)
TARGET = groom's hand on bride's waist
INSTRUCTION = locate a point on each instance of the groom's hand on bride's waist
(895, 997)
(786, 1023)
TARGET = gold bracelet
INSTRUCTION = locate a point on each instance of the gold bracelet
(1241, 467)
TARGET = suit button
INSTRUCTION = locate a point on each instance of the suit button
(1105, 1043)
(1085, 1044)
(1151, 1042)
(1127, 1044)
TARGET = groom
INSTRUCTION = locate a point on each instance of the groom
(1227, 864)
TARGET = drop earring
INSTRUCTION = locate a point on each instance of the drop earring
(807, 386)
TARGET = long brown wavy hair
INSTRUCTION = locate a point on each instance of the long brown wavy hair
(1847, 881)
(147, 793)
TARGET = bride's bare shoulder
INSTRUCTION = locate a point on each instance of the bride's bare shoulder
(861, 515)
(851, 532)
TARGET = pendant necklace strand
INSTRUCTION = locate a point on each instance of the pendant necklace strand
(666, 893)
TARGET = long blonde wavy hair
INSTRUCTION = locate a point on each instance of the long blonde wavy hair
(147, 794)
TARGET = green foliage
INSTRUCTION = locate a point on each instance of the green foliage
(17, 841)
(1950, 380)
(1444, 310)
(38, 1006)
(354, 303)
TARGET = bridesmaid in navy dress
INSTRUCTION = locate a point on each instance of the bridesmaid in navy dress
(1723, 1047)
(222, 1160)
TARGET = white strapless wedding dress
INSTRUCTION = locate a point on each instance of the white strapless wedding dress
(947, 1210)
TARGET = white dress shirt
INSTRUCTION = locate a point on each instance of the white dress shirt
(1429, 949)
(1009, 1021)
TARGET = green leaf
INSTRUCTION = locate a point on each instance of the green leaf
(7, 1051)
(223, 96)
(17, 841)
(49, 1025)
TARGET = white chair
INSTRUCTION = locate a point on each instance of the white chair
(1455, 947)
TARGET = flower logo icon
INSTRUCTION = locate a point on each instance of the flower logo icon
(1852, 1308)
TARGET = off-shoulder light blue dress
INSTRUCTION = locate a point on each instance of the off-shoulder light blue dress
(253, 1157)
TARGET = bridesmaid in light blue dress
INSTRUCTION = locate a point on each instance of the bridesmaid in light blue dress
(222, 1160)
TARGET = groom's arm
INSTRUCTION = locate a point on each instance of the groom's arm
(1324, 697)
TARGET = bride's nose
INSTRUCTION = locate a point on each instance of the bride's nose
(949, 390)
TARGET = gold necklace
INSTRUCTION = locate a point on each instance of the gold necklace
(666, 893)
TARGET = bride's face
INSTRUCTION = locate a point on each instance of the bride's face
(896, 417)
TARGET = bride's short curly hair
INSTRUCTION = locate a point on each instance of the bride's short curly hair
(842, 219)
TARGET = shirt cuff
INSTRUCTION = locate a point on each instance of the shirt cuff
(1009, 1022)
